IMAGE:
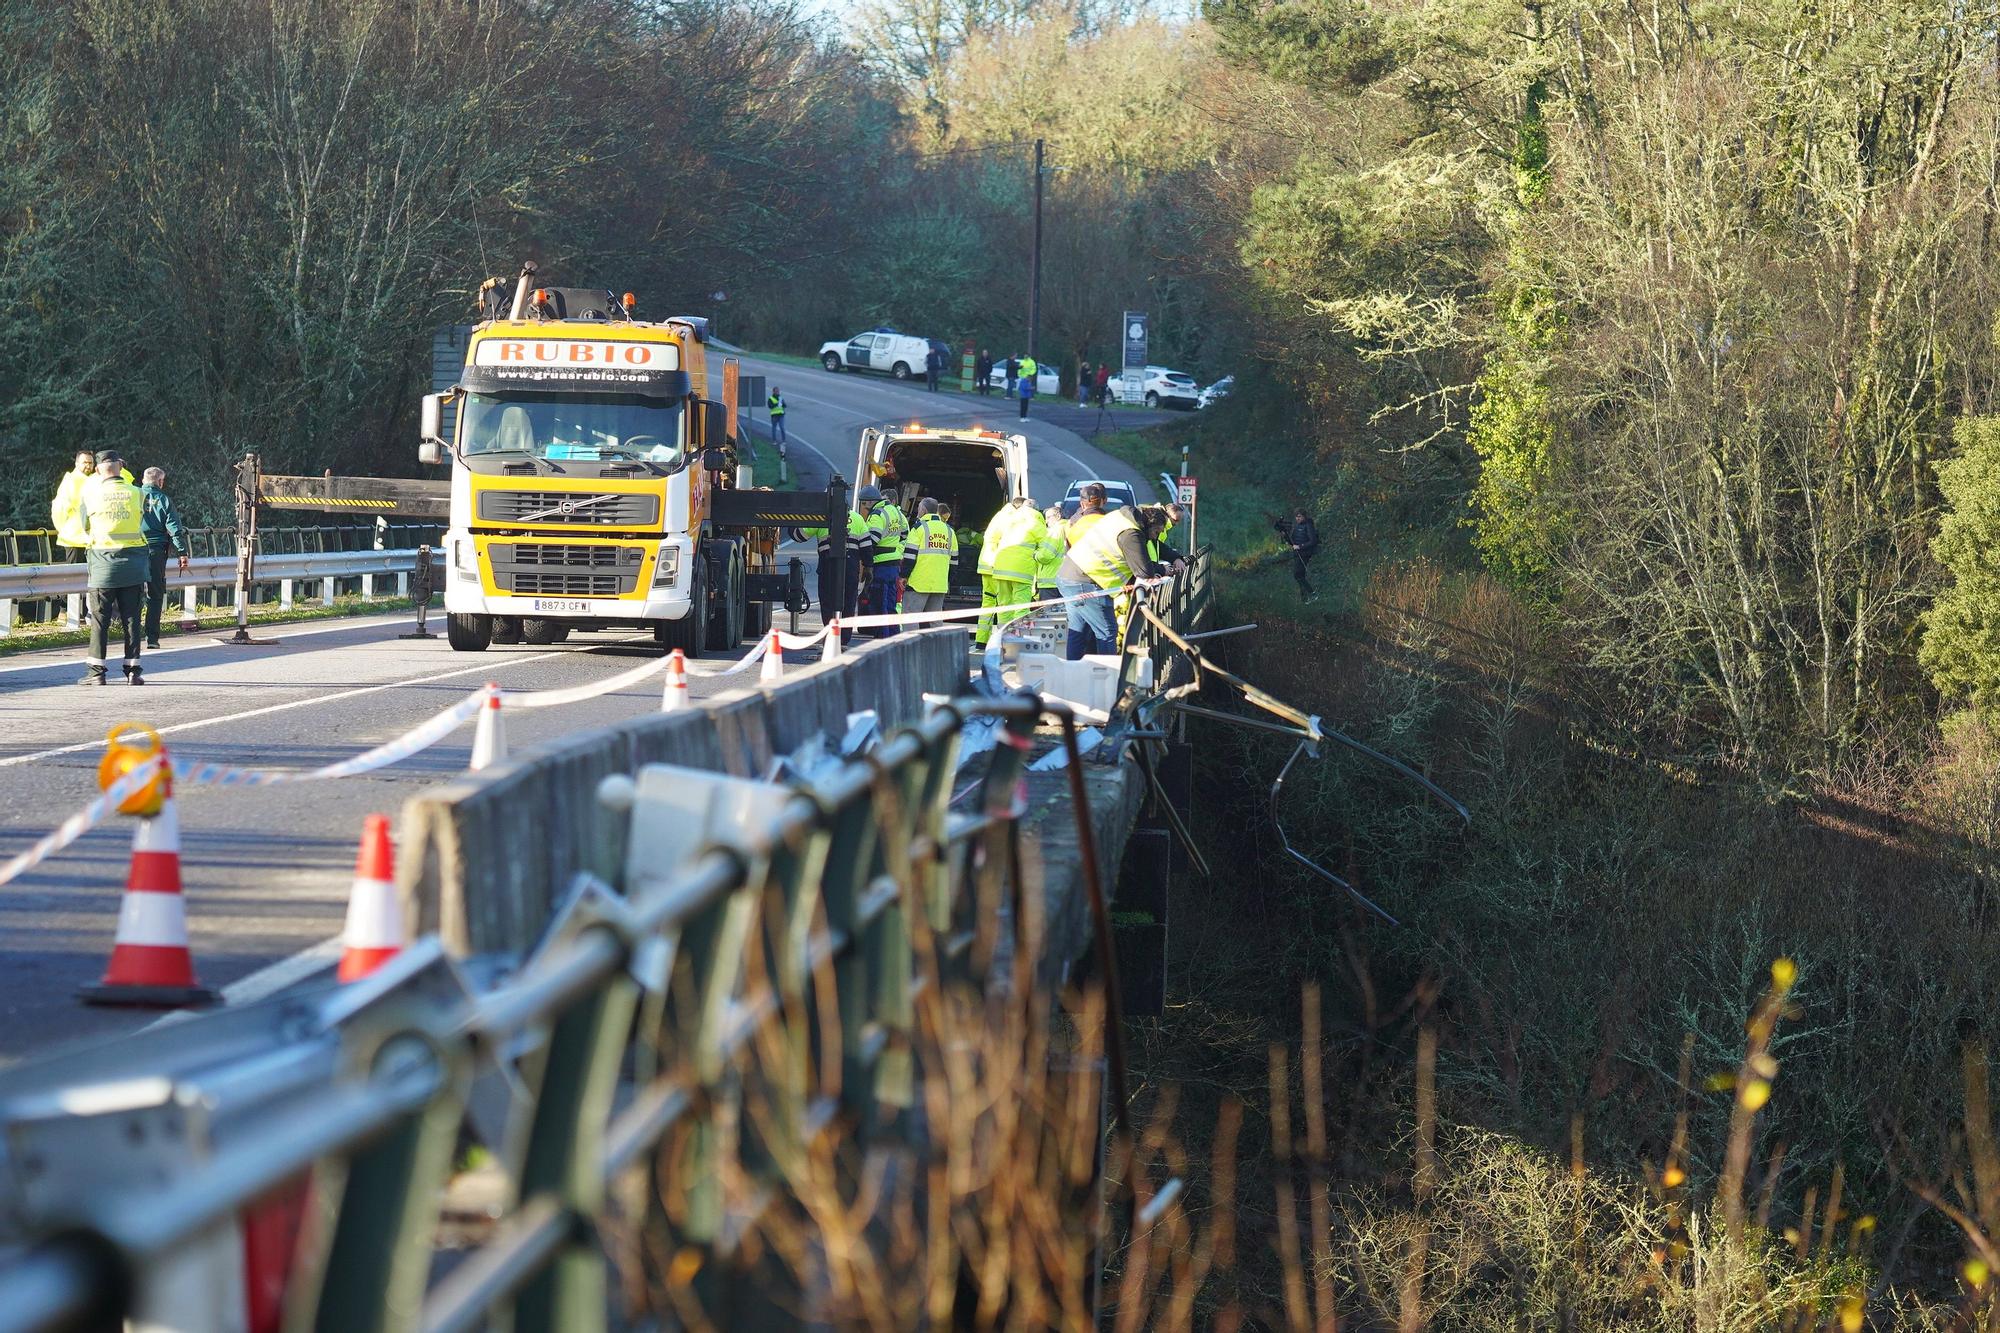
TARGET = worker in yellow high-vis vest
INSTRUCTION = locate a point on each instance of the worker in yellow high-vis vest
(1007, 557)
(1049, 558)
(928, 555)
(1109, 555)
(112, 519)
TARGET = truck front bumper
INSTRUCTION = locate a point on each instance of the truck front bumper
(659, 604)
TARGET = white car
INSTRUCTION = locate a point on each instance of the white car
(898, 354)
(1048, 380)
(1216, 392)
(1162, 387)
(1117, 494)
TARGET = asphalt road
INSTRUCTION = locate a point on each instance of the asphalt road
(267, 870)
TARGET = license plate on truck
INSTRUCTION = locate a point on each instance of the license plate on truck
(561, 605)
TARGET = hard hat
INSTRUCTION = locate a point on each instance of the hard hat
(867, 493)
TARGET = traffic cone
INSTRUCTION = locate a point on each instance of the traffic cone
(675, 697)
(151, 966)
(773, 669)
(831, 653)
(374, 916)
(489, 743)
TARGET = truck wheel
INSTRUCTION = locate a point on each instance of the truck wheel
(506, 629)
(467, 633)
(544, 632)
(725, 621)
(687, 633)
(831, 361)
(902, 370)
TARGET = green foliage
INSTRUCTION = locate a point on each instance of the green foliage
(1512, 431)
(1961, 643)
(1323, 44)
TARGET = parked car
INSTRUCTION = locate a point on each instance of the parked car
(1162, 387)
(898, 354)
(1048, 379)
(1216, 392)
(1117, 494)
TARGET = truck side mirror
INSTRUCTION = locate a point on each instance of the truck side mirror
(431, 423)
(714, 424)
(430, 451)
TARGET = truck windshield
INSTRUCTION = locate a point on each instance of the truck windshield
(582, 427)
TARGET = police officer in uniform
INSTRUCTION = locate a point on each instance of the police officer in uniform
(860, 549)
(112, 518)
(928, 556)
(885, 563)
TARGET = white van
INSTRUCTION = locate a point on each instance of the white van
(970, 471)
(898, 354)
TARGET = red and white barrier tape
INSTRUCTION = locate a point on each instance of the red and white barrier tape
(80, 823)
(418, 738)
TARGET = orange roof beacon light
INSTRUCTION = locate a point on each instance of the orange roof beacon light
(630, 302)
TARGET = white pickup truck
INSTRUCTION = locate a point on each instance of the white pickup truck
(893, 353)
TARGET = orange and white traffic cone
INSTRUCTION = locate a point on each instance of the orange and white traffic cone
(489, 742)
(374, 917)
(773, 669)
(831, 653)
(675, 697)
(151, 966)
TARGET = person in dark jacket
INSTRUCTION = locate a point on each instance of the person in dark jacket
(1299, 533)
(933, 365)
(165, 535)
(982, 372)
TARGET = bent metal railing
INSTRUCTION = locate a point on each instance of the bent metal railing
(715, 1022)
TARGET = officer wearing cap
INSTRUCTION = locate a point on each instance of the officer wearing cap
(112, 518)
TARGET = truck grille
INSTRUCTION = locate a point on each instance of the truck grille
(554, 569)
(604, 509)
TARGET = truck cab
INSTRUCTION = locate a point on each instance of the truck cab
(582, 461)
(970, 472)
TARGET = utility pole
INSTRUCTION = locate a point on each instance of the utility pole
(1035, 266)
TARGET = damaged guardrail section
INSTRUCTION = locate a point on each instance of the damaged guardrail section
(626, 1042)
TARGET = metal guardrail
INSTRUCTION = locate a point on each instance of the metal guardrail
(39, 582)
(785, 964)
(38, 546)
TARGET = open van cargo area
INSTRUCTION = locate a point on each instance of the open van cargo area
(970, 473)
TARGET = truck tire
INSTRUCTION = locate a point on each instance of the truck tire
(725, 620)
(468, 633)
(902, 370)
(691, 630)
(544, 632)
(506, 629)
(831, 361)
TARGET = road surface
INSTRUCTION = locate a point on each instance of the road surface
(267, 870)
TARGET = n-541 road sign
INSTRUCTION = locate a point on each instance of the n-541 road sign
(1185, 487)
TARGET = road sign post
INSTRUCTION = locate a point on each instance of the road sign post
(1184, 488)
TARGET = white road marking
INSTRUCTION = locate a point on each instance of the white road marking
(274, 977)
(486, 668)
(267, 980)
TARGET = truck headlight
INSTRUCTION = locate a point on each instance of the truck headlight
(668, 570)
(464, 558)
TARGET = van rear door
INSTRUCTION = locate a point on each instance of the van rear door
(1015, 455)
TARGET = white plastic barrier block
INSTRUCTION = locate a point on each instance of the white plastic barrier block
(678, 811)
(1089, 684)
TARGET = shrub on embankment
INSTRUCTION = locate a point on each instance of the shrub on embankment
(1616, 903)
